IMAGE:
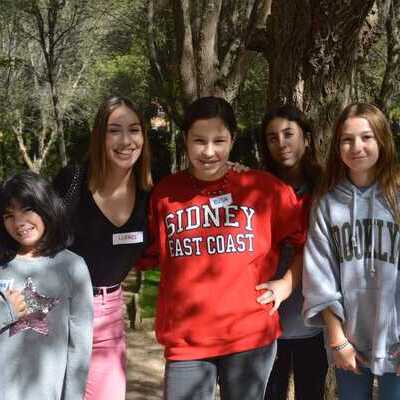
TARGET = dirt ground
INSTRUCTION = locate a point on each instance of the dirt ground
(145, 368)
(145, 365)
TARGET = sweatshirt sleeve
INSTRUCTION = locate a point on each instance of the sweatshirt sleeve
(290, 217)
(80, 331)
(321, 272)
(7, 315)
(150, 257)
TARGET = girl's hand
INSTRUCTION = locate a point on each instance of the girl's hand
(275, 291)
(237, 167)
(17, 301)
(397, 355)
(348, 358)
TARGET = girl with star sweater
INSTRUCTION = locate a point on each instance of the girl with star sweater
(216, 234)
(46, 349)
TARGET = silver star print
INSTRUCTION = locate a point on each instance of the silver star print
(38, 307)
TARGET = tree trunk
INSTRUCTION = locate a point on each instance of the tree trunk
(287, 41)
(210, 45)
(312, 48)
(390, 82)
(333, 54)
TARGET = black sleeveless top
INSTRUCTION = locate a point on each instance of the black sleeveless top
(109, 251)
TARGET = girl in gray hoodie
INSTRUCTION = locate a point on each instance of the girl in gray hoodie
(350, 279)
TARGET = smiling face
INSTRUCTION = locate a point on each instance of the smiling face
(25, 226)
(286, 142)
(208, 144)
(359, 150)
(124, 138)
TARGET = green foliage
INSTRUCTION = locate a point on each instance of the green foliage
(149, 293)
(113, 37)
(250, 105)
(250, 109)
(10, 162)
(126, 75)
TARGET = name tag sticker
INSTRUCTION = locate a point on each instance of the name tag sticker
(221, 201)
(6, 284)
(127, 238)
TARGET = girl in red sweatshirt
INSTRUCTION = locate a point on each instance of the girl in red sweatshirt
(216, 236)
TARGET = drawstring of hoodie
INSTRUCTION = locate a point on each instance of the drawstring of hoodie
(372, 263)
(353, 220)
(354, 242)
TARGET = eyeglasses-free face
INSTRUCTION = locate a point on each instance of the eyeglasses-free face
(208, 144)
(359, 150)
(124, 138)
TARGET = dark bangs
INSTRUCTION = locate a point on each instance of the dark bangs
(29, 190)
(207, 108)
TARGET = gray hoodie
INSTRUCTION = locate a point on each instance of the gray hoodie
(353, 270)
(52, 362)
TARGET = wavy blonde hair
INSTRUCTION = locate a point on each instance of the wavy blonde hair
(387, 169)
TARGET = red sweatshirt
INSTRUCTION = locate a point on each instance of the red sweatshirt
(214, 242)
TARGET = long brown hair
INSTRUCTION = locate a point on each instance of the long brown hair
(97, 152)
(310, 163)
(387, 169)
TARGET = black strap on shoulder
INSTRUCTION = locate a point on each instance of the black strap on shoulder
(72, 196)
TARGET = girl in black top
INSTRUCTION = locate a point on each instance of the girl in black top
(107, 200)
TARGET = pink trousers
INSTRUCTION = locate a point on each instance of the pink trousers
(107, 371)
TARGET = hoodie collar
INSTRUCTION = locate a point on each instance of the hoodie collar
(353, 192)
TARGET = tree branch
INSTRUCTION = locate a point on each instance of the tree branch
(187, 66)
(154, 61)
(206, 52)
(22, 147)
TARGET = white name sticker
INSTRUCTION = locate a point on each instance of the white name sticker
(127, 238)
(6, 284)
(221, 201)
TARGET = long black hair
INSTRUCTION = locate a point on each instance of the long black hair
(311, 165)
(30, 190)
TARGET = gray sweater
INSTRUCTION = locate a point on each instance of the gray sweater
(351, 263)
(51, 366)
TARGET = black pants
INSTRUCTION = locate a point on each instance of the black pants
(307, 359)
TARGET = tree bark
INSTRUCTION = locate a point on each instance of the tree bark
(287, 40)
(312, 48)
(390, 82)
(211, 38)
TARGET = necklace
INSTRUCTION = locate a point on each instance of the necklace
(215, 190)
